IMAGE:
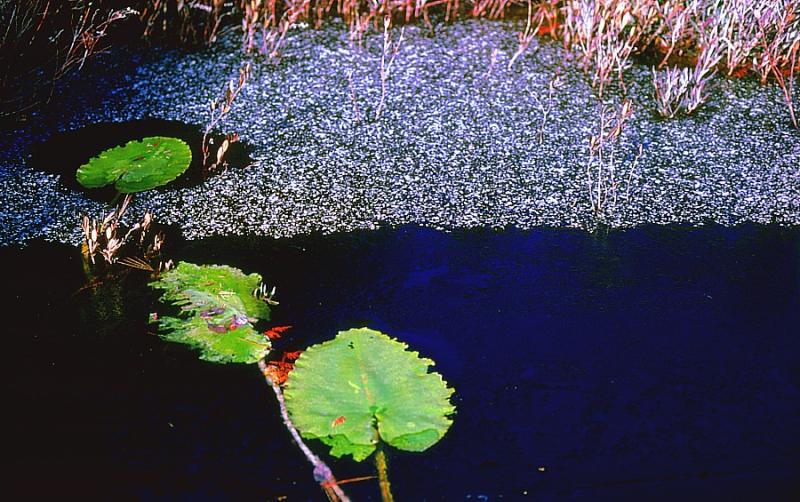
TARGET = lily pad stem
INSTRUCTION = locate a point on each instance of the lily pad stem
(322, 473)
(383, 475)
(116, 198)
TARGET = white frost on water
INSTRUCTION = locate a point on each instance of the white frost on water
(458, 144)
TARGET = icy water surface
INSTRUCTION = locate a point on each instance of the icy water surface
(654, 363)
(461, 143)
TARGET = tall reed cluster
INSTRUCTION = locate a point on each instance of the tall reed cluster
(687, 42)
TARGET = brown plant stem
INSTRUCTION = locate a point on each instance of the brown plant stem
(220, 107)
(322, 473)
(383, 475)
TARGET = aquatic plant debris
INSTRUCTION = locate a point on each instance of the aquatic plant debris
(364, 386)
(458, 144)
(137, 165)
(216, 312)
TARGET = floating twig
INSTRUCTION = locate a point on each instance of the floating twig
(322, 473)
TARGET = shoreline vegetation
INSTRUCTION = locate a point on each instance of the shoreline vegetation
(686, 42)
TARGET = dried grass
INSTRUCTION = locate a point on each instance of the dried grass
(691, 40)
(42, 41)
(733, 37)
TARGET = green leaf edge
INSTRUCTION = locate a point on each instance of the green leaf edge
(93, 174)
(176, 328)
(339, 443)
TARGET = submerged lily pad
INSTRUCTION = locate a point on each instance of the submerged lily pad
(364, 386)
(217, 312)
(137, 165)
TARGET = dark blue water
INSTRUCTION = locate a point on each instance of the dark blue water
(650, 364)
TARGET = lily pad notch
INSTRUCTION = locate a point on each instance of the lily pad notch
(364, 389)
(138, 165)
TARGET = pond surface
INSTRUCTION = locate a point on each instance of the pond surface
(463, 141)
(655, 363)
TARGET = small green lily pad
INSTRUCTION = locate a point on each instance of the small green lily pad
(137, 165)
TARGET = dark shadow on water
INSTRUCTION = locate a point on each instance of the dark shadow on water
(652, 364)
(64, 153)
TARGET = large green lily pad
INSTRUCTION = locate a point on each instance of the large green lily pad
(137, 165)
(364, 386)
(217, 312)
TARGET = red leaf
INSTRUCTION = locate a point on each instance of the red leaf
(548, 28)
(276, 332)
(740, 72)
(279, 371)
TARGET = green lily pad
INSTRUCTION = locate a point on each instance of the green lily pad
(217, 312)
(137, 165)
(364, 386)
